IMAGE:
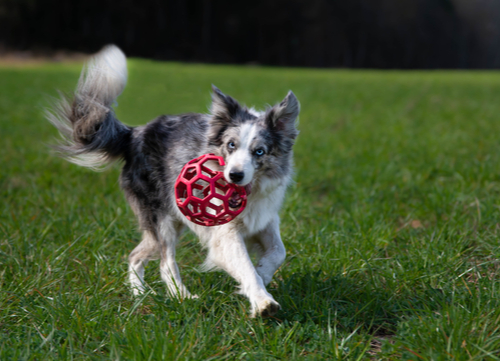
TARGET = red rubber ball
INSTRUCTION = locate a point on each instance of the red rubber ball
(204, 196)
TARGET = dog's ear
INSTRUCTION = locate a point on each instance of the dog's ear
(224, 108)
(283, 116)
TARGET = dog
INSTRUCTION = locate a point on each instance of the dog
(257, 150)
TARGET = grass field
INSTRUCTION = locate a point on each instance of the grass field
(391, 227)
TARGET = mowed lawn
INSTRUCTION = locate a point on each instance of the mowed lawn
(391, 227)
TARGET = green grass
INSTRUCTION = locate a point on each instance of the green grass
(391, 228)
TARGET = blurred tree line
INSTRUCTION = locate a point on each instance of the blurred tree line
(318, 33)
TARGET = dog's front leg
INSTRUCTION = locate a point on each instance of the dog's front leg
(227, 251)
(273, 251)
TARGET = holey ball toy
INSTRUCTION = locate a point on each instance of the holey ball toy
(204, 196)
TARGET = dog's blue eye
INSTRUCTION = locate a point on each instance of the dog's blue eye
(259, 152)
(231, 145)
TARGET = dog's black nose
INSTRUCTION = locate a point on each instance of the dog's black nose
(236, 176)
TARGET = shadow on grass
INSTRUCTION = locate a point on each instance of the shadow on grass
(349, 304)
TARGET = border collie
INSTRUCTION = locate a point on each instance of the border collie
(256, 147)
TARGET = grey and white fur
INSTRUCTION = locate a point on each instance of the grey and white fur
(257, 149)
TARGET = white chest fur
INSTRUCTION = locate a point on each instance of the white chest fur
(263, 205)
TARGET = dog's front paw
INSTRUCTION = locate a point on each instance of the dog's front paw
(266, 308)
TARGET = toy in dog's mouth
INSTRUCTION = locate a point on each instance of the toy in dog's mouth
(235, 201)
(204, 196)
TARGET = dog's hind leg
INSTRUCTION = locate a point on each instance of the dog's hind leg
(168, 234)
(147, 250)
(228, 251)
(272, 253)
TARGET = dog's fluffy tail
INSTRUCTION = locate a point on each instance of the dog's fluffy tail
(93, 137)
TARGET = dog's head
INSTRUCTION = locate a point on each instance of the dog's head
(253, 144)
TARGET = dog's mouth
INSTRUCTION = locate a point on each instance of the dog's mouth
(235, 201)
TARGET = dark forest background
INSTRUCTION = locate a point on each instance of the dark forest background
(405, 34)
